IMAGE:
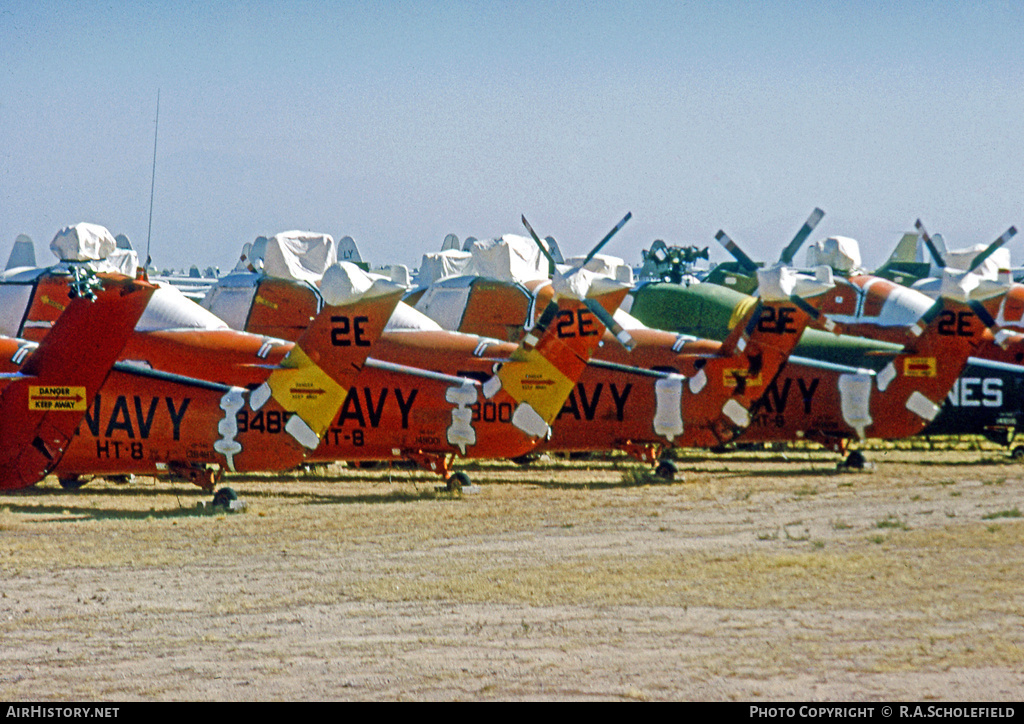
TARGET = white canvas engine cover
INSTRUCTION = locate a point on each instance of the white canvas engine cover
(299, 255)
(839, 252)
(83, 242)
(507, 258)
(122, 261)
(344, 282)
(441, 265)
(609, 266)
(961, 259)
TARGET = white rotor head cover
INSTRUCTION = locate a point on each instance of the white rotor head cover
(509, 257)
(838, 252)
(778, 283)
(609, 266)
(83, 242)
(299, 255)
(344, 283)
(579, 283)
(958, 285)
(989, 269)
(811, 286)
(988, 288)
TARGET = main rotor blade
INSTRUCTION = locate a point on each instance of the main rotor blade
(930, 244)
(980, 258)
(608, 236)
(543, 249)
(801, 236)
(745, 261)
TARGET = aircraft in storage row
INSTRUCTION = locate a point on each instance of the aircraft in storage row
(189, 397)
(366, 377)
(813, 398)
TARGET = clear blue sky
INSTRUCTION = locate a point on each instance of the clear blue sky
(399, 122)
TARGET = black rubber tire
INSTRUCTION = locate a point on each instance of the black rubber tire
(855, 460)
(666, 470)
(458, 481)
(72, 482)
(223, 497)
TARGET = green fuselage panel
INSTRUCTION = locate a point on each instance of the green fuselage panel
(708, 311)
(733, 277)
(983, 401)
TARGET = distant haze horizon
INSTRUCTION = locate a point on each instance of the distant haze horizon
(399, 123)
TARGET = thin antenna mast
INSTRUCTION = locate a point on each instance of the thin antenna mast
(152, 183)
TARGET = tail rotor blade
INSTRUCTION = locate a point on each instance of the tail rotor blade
(801, 236)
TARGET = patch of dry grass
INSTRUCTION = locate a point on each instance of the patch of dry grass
(686, 566)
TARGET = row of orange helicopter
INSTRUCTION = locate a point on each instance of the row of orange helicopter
(110, 374)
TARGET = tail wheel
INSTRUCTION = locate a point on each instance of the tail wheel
(666, 470)
(458, 481)
(855, 460)
(223, 498)
(72, 482)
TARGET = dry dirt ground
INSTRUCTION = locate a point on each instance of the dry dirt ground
(754, 576)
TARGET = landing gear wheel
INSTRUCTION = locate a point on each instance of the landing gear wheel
(855, 460)
(666, 470)
(224, 497)
(366, 464)
(457, 482)
(72, 482)
(1017, 454)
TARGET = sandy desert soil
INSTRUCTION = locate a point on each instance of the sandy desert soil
(754, 576)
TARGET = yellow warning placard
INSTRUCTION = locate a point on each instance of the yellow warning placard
(919, 367)
(732, 375)
(307, 390)
(56, 398)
